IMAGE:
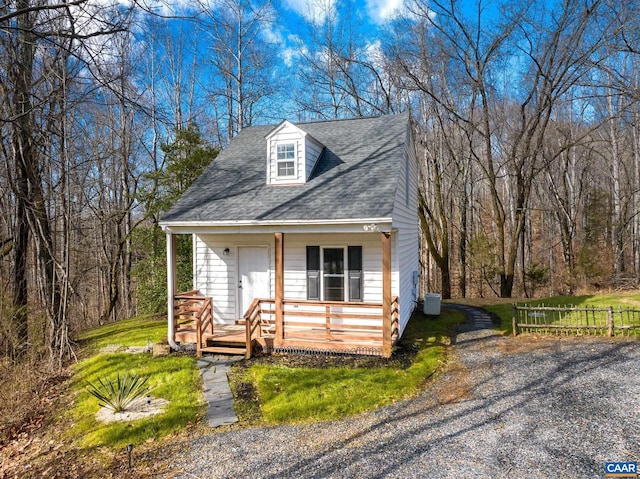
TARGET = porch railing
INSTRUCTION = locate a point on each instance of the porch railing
(193, 312)
(321, 323)
(395, 324)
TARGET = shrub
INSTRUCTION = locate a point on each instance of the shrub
(118, 394)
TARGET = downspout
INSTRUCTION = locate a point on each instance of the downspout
(171, 288)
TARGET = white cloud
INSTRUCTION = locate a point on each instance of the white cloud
(291, 46)
(381, 11)
(374, 54)
(272, 35)
(291, 54)
(314, 11)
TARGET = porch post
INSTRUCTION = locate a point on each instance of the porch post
(171, 287)
(279, 260)
(386, 294)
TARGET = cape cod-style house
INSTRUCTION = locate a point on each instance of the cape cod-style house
(305, 238)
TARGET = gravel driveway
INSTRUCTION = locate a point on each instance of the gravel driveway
(505, 407)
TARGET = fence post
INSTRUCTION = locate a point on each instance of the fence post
(514, 323)
(610, 321)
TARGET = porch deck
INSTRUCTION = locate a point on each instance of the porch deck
(313, 326)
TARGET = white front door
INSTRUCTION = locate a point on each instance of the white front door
(253, 276)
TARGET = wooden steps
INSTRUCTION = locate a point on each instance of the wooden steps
(225, 339)
(234, 345)
(224, 350)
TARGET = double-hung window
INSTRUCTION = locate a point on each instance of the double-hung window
(285, 160)
(334, 273)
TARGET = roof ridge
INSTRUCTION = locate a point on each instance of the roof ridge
(331, 120)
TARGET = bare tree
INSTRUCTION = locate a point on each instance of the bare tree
(38, 42)
(240, 59)
(505, 127)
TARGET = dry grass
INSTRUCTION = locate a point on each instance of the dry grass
(25, 391)
(29, 443)
(481, 302)
(455, 385)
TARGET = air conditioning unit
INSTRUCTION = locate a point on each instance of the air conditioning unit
(431, 304)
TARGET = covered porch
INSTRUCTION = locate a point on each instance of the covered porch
(281, 324)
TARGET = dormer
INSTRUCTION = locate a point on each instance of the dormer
(291, 154)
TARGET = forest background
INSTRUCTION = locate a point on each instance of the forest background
(526, 118)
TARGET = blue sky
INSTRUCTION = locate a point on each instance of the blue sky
(295, 23)
(296, 17)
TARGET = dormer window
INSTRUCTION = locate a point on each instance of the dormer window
(292, 155)
(285, 160)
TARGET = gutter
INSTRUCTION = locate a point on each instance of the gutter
(171, 292)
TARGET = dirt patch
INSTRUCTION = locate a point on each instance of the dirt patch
(139, 409)
(455, 385)
(36, 445)
(629, 301)
(402, 357)
(525, 343)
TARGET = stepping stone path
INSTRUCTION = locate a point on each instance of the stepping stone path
(478, 325)
(217, 392)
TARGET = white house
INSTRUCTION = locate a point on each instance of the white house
(305, 235)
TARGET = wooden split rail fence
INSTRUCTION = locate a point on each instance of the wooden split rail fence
(607, 321)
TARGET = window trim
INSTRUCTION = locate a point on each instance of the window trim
(286, 160)
(344, 275)
(319, 274)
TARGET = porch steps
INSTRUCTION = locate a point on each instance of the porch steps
(224, 350)
(234, 344)
(228, 340)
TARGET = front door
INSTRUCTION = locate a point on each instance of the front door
(253, 276)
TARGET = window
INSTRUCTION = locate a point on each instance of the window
(285, 159)
(333, 274)
(329, 278)
(355, 273)
(313, 272)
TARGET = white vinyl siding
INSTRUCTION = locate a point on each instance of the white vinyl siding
(313, 150)
(405, 256)
(289, 135)
(295, 272)
(215, 274)
(306, 154)
(295, 261)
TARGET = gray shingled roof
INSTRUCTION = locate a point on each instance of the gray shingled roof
(355, 177)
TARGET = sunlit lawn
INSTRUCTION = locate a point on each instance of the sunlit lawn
(138, 331)
(299, 394)
(504, 307)
(174, 378)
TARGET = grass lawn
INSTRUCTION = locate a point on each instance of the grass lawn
(503, 306)
(136, 331)
(283, 393)
(291, 393)
(174, 378)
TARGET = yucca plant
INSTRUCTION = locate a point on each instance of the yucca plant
(119, 393)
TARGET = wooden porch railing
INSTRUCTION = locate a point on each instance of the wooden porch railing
(322, 324)
(395, 319)
(253, 323)
(194, 312)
